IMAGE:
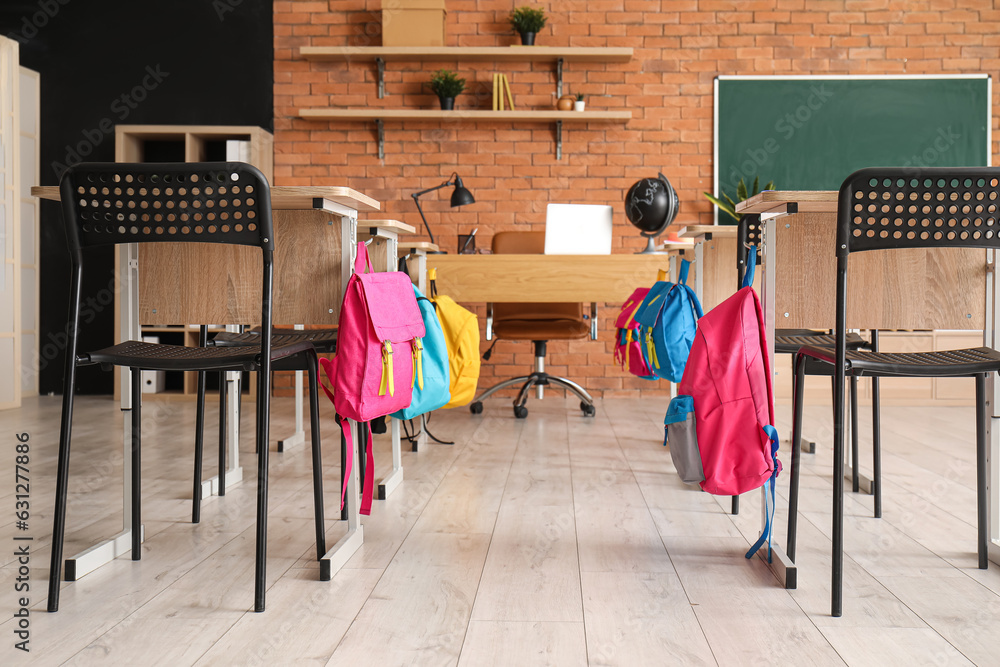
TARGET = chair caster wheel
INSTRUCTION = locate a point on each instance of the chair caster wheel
(520, 411)
(476, 408)
(588, 410)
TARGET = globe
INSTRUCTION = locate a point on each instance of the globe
(651, 205)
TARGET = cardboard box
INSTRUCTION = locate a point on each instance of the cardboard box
(413, 22)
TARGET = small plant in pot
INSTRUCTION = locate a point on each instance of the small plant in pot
(579, 103)
(447, 86)
(527, 21)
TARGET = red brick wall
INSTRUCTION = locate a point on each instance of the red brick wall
(680, 46)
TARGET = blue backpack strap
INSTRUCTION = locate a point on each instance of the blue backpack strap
(685, 265)
(751, 266)
(765, 536)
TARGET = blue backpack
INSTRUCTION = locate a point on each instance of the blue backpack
(431, 378)
(669, 317)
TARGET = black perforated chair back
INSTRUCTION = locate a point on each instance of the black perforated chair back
(208, 202)
(919, 208)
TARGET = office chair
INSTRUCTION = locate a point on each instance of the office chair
(887, 209)
(539, 323)
(788, 341)
(229, 203)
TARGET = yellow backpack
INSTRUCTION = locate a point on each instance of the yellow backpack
(461, 336)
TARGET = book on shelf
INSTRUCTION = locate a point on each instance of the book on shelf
(501, 88)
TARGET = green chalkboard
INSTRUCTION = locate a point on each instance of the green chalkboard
(810, 133)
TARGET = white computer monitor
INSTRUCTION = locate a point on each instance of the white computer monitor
(577, 229)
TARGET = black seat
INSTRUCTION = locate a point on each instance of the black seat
(895, 208)
(226, 203)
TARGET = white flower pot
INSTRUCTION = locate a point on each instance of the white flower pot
(578, 105)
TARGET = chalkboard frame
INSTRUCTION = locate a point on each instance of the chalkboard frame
(769, 143)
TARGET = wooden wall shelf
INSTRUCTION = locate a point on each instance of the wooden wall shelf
(469, 53)
(382, 54)
(544, 115)
(527, 116)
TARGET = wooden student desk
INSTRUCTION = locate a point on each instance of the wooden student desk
(316, 234)
(544, 278)
(886, 290)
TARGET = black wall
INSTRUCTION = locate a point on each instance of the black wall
(109, 62)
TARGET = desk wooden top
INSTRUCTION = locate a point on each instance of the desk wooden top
(406, 247)
(544, 278)
(387, 225)
(283, 198)
(699, 231)
(819, 201)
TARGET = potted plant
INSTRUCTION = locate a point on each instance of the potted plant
(447, 86)
(527, 22)
(728, 206)
(579, 104)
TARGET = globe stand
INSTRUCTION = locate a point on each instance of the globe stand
(651, 247)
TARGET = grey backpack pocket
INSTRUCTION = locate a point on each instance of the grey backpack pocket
(683, 438)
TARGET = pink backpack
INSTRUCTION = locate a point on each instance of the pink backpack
(629, 350)
(378, 348)
(720, 426)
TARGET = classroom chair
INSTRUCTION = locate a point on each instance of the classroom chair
(225, 203)
(889, 209)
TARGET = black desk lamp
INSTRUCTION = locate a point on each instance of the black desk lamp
(459, 197)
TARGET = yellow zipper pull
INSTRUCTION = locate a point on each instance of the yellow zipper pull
(418, 365)
(652, 350)
(628, 344)
(387, 381)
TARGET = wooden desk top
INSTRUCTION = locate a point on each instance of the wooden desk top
(405, 247)
(544, 278)
(283, 198)
(819, 201)
(388, 225)
(699, 231)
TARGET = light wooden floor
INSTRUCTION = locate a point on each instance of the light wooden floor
(556, 540)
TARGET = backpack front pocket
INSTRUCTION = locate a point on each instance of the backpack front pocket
(682, 436)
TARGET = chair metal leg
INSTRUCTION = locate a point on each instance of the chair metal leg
(580, 392)
(263, 413)
(982, 479)
(62, 482)
(855, 454)
(199, 450)
(223, 394)
(503, 385)
(876, 449)
(522, 396)
(199, 435)
(837, 583)
(136, 463)
(317, 455)
(798, 393)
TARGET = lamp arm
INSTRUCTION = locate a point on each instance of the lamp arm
(427, 227)
(450, 181)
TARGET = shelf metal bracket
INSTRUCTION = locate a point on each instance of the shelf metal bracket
(381, 138)
(559, 139)
(380, 63)
(559, 78)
